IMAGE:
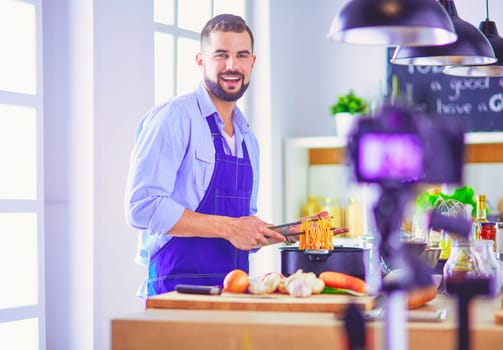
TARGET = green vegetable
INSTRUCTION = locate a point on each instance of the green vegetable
(465, 194)
(330, 290)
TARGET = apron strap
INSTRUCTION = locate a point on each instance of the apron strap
(218, 139)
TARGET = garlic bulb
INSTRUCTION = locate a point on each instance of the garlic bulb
(257, 286)
(317, 285)
(299, 288)
(299, 284)
(271, 280)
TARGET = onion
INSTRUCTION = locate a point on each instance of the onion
(236, 281)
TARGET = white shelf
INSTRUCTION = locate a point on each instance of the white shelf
(296, 169)
(332, 141)
(483, 137)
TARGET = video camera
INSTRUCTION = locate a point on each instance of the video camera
(396, 149)
(398, 146)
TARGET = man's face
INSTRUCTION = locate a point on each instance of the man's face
(227, 62)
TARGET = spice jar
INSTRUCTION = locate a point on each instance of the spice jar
(488, 232)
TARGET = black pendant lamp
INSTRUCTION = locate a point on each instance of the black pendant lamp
(489, 70)
(471, 48)
(393, 23)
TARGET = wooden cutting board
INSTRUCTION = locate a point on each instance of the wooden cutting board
(269, 302)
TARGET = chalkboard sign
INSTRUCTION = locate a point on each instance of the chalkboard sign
(478, 101)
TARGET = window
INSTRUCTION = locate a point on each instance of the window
(178, 25)
(21, 193)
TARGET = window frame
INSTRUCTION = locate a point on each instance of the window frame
(177, 32)
(36, 205)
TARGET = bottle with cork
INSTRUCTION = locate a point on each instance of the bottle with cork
(480, 215)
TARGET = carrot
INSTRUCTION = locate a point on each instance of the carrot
(341, 280)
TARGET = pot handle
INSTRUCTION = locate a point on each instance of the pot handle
(317, 255)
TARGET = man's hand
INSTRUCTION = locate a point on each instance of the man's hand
(250, 232)
(247, 232)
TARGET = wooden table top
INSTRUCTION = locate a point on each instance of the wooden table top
(230, 329)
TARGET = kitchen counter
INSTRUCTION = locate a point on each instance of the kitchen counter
(226, 329)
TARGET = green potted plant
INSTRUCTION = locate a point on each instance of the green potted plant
(346, 109)
(349, 103)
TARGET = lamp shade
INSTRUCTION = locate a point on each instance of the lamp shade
(471, 48)
(393, 23)
(489, 70)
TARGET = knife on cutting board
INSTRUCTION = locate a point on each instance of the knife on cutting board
(193, 289)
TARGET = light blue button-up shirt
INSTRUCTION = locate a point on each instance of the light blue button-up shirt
(172, 164)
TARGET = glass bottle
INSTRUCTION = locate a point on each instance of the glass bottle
(336, 211)
(311, 207)
(461, 261)
(481, 215)
(485, 249)
(395, 90)
(354, 214)
(434, 238)
(378, 101)
(472, 260)
(445, 243)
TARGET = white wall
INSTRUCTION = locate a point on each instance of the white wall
(98, 82)
(123, 92)
(309, 71)
(98, 69)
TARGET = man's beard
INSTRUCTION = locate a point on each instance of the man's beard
(219, 92)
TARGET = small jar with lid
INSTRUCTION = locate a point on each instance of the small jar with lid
(488, 232)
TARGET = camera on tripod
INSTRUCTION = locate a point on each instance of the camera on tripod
(398, 146)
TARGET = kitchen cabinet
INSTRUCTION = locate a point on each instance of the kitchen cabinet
(317, 166)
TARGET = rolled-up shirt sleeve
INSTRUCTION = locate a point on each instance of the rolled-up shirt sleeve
(159, 149)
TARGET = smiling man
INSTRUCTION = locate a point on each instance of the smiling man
(193, 179)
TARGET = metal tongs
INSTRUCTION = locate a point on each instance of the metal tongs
(284, 227)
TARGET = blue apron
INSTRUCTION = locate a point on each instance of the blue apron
(206, 261)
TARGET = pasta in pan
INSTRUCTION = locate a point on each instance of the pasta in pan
(317, 234)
